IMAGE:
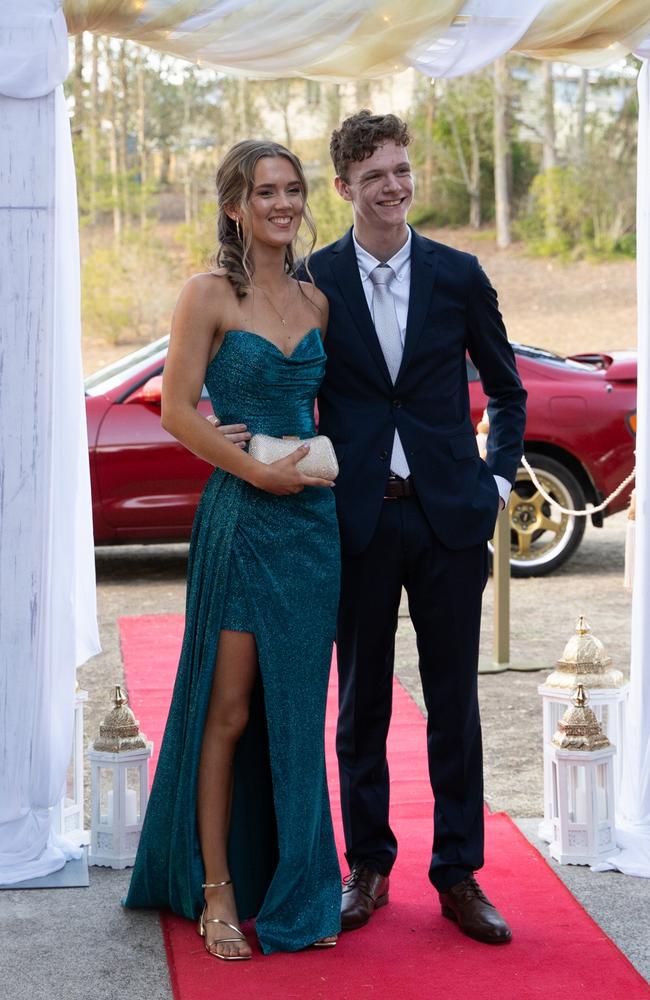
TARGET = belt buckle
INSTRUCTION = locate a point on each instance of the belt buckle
(392, 479)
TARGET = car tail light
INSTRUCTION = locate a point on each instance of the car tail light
(631, 421)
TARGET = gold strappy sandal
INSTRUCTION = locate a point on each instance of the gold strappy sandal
(324, 943)
(217, 920)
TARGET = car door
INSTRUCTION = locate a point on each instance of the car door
(150, 484)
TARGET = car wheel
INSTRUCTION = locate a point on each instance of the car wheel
(541, 537)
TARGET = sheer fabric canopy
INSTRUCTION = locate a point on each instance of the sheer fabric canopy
(329, 40)
(340, 39)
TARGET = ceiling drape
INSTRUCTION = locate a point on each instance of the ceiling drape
(345, 39)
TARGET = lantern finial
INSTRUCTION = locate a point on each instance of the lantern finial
(579, 729)
(119, 732)
(584, 661)
(119, 761)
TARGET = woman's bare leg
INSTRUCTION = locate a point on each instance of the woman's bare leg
(234, 678)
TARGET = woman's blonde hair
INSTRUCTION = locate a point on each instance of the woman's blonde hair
(235, 179)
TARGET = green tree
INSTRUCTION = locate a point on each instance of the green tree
(455, 126)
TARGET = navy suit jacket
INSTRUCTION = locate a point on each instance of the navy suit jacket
(452, 310)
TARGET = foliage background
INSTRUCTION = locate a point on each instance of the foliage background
(149, 130)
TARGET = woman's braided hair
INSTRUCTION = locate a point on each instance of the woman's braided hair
(235, 179)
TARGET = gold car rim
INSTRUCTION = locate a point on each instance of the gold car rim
(538, 531)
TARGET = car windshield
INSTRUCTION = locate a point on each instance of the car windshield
(113, 375)
(549, 357)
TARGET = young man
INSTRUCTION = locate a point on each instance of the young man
(416, 507)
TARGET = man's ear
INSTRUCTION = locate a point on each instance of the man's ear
(343, 188)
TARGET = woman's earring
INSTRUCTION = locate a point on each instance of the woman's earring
(238, 229)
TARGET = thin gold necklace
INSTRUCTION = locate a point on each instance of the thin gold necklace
(273, 305)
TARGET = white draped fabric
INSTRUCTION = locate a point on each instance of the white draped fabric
(47, 585)
(483, 31)
(343, 39)
(633, 814)
(36, 59)
(47, 617)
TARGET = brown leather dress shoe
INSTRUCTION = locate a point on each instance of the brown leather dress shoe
(467, 904)
(364, 891)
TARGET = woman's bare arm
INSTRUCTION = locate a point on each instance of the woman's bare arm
(195, 323)
(194, 326)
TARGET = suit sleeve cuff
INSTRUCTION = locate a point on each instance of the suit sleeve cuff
(504, 489)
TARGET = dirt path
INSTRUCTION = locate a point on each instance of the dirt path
(567, 308)
(572, 307)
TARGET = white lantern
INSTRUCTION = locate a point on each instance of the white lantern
(119, 779)
(68, 813)
(583, 807)
(584, 661)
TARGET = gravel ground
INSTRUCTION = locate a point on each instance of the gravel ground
(151, 579)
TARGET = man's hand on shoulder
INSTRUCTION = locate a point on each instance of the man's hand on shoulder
(236, 433)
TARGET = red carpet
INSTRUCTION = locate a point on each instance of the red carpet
(408, 951)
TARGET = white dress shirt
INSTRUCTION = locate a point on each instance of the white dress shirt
(400, 289)
(400, 264)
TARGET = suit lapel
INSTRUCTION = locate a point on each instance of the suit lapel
(346, 273)
(424, 264)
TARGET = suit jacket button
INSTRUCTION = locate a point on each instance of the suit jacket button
(383, 455)
(397, 403)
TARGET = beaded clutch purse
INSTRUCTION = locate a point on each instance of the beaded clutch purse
(320, 460)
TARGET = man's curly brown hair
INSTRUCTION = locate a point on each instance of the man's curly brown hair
(361, 134)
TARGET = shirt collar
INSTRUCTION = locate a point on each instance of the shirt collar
(397, 262)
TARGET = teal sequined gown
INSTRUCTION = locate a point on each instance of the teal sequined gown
(268, 565)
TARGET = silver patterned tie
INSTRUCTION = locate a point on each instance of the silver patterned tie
(389, 337)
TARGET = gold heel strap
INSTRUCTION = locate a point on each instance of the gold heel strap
(237, 930)
(216, 885)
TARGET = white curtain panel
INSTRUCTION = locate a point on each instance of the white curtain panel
(483, 31)
(328, 39)
(633, 812)
(47, 584)
(35, 61)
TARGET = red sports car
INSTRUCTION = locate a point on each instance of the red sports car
(580, 438)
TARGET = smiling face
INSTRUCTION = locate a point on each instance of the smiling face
(380, 189)
(276, 202)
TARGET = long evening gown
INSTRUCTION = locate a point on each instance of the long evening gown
(268, 565)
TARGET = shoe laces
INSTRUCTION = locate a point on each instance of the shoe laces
(470, 889)
(360, 875)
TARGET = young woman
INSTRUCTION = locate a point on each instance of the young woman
(238, 823)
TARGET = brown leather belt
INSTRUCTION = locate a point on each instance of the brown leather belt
(397, 488)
